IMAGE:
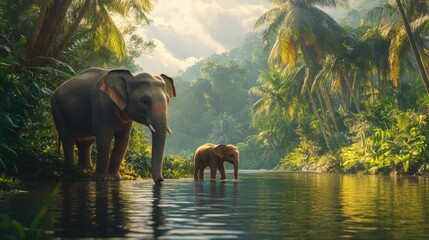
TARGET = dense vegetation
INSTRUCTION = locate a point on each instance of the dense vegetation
(43, 43)
(336, 95)
(304, 92)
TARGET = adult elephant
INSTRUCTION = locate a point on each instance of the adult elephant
(99, 104)
(214, 156)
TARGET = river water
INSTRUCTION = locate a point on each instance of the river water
(261, 205)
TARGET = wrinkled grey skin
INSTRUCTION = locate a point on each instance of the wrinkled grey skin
(214, 156)
(98, 105)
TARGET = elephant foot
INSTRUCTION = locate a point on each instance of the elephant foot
(116, 177)
(157, 178)
(102, 177)
(85, 166)
(158, 181)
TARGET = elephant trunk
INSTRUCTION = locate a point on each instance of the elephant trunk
(158, 141)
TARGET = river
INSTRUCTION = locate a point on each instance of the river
(261, 205)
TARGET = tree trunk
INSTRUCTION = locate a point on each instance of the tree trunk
(46, 31)
(324, 116)
(32, 39)
(60, 49)
(414, 46)
(331, 112)
(316, 112)
(380, 92)
(350, 89)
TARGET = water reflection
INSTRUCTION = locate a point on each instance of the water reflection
(393, 207)
(187, 209)
(158, 216)
(260, 206)
(90, 208)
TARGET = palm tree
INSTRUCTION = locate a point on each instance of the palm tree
(225, 131)
(387, 18)
(55, 15)
(273, 113)
(414, 46)
(298, 29)
(272, 93)
(51, 17)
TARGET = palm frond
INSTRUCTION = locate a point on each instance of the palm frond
(142, 7)
(108, 35)
(381, 15)
(267, 18)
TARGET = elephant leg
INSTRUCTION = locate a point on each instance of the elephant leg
(201, 173)
(196, 172)
(64, 134)
(84, 152)
(68, 149)
(213, 171)
(118, 153)
(221, 169)
(104, 142)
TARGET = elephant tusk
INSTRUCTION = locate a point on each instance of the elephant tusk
(151, 128)
(168, 130)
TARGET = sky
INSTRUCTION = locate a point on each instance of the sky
(186, 31)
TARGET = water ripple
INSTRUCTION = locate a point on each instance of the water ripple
(262, 205)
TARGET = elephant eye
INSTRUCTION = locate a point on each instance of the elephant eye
(145, 100)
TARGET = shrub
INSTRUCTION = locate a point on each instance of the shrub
(400, 145)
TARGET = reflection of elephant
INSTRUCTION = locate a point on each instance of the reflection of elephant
(214, 156)
(100, 104)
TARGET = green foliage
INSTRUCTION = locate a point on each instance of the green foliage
(28, 140)
(174, 166)
(304, 156)
(138, 161)
(178, 167)
(8, 183)
(327, 103)
(400, 145)
(215, 105)
(26, 129)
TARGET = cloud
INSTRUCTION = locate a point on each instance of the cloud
(161, 60)
(188, 30)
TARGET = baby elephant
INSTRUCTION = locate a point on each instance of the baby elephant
(214, 156)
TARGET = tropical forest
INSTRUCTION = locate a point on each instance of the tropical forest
(316, 86)
(304, 91)
(308, 92)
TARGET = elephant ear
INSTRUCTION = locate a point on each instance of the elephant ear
(219, 151)
(169, 85)
(114, 84)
